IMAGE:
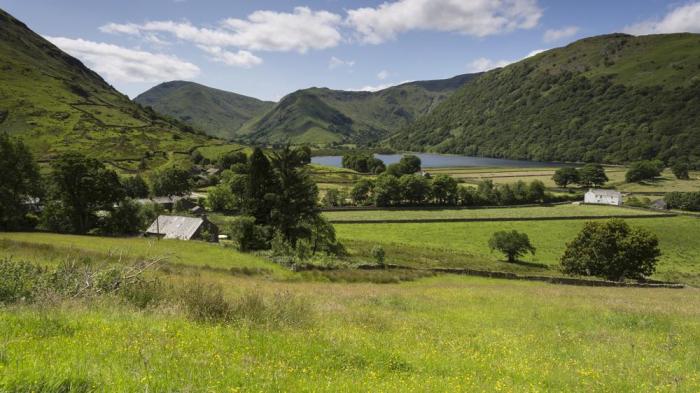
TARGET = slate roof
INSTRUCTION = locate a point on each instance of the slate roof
(603, 192)
(176, 227)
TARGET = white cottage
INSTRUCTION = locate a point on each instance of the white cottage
(603, 197)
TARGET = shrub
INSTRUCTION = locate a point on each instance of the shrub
(378, 254)
(19, 281)
(612, 250)
(247, 235)
(683, 200)
(143, 293)
(206, 303)
(680, 170)
(512, 244)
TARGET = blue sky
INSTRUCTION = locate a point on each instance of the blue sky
(267, 49)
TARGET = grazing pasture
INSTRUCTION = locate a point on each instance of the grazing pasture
(567, 210)
(466, 244)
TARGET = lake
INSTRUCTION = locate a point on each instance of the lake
(431, 160)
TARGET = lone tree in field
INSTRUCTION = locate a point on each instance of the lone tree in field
(592, 175)
(565, 176)
(680, 170)
(612, 250)
(512, 244)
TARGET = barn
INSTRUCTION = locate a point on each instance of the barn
(184, 228)
(603, 197)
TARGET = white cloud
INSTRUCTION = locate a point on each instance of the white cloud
(241, 58)
(382, 86)
(383, 74)
(475, 17)
(483, 64)
(554, 35)
(119, 64)
(335, 62)
(300, 31)
(535, 52)
(683, 19)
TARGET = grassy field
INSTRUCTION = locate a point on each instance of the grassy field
(466, 244)
(445, 333)
(54, 247)
(506, 212)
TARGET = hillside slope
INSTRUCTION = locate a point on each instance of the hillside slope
(54, 103)
(613, 98)
(321, 115)
(217, 112)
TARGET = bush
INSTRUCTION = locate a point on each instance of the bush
(19, 281)
(221, 199)
(206, 303)
(612, 250)
(680, 170)
(378, 254)
(247, 235)
(512, 244)
(683, 200)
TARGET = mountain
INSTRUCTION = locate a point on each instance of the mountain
(321, 115)
(613, 98)
(54, 103)
(217, 112)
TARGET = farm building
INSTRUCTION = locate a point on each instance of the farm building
(603, 197)
(183, 228)
(167, 202)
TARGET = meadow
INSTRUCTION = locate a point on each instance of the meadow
(445, 333)
(567, 210)
(465, 244)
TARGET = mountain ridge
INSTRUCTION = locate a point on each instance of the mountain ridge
(55, 103)
(614, 98)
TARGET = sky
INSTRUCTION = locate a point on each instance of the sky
(267, 49)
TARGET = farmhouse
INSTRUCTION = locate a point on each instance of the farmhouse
(183, 228)
(603, 197)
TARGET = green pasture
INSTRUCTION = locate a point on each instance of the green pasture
(55, 247)
(466, 244)
(568, 210)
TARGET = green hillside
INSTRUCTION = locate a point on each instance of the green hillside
(321, 115)
(218, 113)
(613, 98)
(54, 103)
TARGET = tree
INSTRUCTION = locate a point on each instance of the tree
(512, 244)
(247, 234)
(414, 189)
(387, 190)
(225, 161)
(221, 199)
(445, 189)
(296, 197)
(332, 198)
(171, 181)
(135, 187)
(410, 164)
(612, 250)
(19, 177)
(360, 192)
(260, 188)
(592, 175)
(643, 170)
(79, 187)
(565, 176)
(680, 170)
(535, 191)
(125, 219)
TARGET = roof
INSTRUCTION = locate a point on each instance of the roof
(176, 227)
(161, 200)
(603, 192)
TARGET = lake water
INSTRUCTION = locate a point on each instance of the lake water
(430, 160)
